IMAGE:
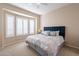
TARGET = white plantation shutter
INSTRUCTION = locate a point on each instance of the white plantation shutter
(31, 27)
(19, 26)
(9, 25)
(25, 26)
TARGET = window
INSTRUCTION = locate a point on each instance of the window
(9, 25)
(31, 26)
(19, 26)
(25, 26)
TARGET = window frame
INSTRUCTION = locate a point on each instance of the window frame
(34, 26)
(26, 18)
(16, 25)
(5, 14)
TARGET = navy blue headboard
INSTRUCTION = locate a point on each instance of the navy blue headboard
(61, 29)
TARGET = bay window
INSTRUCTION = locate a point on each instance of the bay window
(19, 25)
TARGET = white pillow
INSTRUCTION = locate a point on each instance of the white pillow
(57, 33)
(45, 33)
(54, 33)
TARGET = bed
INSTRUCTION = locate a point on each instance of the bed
(47, 45)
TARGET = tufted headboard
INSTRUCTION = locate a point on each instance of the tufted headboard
(61, 29)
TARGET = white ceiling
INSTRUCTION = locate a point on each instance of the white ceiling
(40, 8)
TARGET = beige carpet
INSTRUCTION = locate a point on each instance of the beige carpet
(19, 49)
(68, 51)
(22, 49)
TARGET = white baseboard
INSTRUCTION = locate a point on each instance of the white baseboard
(0, 45)
(72, 46)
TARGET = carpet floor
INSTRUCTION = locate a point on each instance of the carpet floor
(22, 49)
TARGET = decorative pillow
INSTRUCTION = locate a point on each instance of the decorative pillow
(57, 33)
(54, 33)
(45, 33)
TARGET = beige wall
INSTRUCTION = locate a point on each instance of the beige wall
(67, 16)
(16, 9)
(0, 27)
